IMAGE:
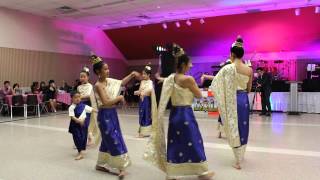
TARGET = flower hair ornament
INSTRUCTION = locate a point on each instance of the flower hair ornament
(95, 59)
(238, 42)
(148, 68)
(177, 51)
(86, 69)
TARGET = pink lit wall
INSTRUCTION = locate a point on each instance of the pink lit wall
(25, 31)
(273, 35)
(29, 32)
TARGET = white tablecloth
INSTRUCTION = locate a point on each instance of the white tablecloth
(308, 102)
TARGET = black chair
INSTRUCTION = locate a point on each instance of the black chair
(32, 101)
(43, 104)
(17, 102)
(4, 107)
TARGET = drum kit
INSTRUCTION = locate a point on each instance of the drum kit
(279, 69)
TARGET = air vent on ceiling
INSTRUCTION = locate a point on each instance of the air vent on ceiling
(116, 2)
(106, 4)
(178, 14)
(91, 7)
(66, 10)
(112, 24)
(133, 20)
(142, 16)
(253, 10)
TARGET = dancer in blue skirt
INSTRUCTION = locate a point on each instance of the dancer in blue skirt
(231, 87)
(239, 40)
(184, 155)
(85, 90)
(113, 153)
(147, 104)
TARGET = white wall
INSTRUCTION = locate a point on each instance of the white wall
(25, 31)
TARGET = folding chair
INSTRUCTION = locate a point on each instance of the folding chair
(43, 104)
(32, 101)
(4, 107)
(17, 102)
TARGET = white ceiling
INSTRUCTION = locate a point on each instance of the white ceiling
(111, 14)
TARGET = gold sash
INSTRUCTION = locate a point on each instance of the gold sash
(224, 87)
(156, 146)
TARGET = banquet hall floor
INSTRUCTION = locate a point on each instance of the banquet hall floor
(280, 147)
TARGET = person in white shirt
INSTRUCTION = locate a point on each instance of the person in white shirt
(85, 90)
(78, 126)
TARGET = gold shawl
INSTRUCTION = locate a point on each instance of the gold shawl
(225, 91)
(156, 147)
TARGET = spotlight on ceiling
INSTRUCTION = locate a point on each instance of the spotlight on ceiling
(202, 21)
(178, 24)
(317, 9)
(188, 22)
(297, 11)
(164, 25)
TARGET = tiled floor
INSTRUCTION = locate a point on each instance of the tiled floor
(280, 148)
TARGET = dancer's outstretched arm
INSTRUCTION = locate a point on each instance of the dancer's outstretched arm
(206, 77)
(125, 80)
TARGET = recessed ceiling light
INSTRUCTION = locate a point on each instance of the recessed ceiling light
(297, 11)
(178, 24)
(164, 25)
(188, 22)
(158, 7)
(202, 21)
(317, 10)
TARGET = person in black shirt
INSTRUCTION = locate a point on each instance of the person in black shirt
(167, 66)
(51, 95)
(264, 83)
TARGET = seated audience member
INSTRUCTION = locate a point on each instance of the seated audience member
(35, 88)
(51, 95)
(6, 90)
(65, 87)
(76, 84)
(16, 89)
(43, 87)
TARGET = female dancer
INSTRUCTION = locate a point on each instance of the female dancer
(147, 104)
(185, 154)
(210, 77)
(113, 155)
(85, 90)
(230, 87)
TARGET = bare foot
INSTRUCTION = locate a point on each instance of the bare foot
(122, 174)
(237, 166)
(79, 157)
(90, 142)
(207, 176)
(90, 139)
